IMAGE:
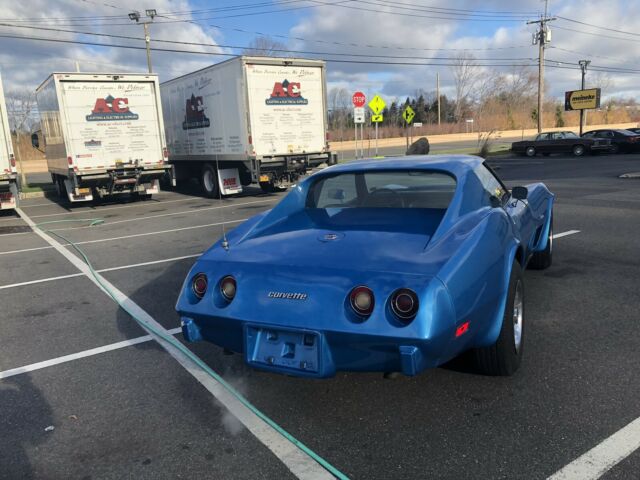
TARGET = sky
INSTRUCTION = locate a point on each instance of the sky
(403, 31)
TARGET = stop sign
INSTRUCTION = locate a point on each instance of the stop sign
(358, 99)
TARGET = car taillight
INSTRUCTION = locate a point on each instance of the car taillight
(70, 160)
(362, 300)
(228, 287)
(199, 285)
(12, 160)
(404, 304)
(165, 152)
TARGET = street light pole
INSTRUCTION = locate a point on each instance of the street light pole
(542, 37)
(583, 66)
(135, 16)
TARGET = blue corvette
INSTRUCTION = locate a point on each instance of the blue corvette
(394, 266)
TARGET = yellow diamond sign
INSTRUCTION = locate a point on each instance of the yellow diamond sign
(377, 104)
(408, 114)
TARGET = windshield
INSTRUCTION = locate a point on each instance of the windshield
(388, 189)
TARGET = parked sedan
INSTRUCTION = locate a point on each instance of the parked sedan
(559, 142)
(634, 130)
(621, 140)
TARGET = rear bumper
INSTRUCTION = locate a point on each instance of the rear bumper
(336, 351)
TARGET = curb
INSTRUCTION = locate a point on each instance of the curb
(630, 175)
(27, 195)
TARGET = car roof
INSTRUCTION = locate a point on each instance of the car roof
(455, 164)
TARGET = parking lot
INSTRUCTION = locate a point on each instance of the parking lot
(85, 393)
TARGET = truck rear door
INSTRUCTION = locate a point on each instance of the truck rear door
(111, 124)
(286, 106)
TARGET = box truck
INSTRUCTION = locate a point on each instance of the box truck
(247, 120)
(8, 172)
(103, 134)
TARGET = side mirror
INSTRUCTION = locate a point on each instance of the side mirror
(520, 193)
(35, 143)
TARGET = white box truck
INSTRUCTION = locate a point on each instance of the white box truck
(103, 134)
(8, 172)
(247, 120)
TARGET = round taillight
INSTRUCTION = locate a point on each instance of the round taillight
(404, 304)
(228, 287)
(199, 285)
(362, 300)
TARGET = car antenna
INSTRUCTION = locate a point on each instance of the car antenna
(225, 243)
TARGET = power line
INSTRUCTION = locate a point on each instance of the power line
(444, 11)
(598, 26)
(352, 44)
(599, 35)
(172, 50)
(304, 52)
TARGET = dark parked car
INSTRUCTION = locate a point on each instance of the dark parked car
(559, 142)
(634, 130)
(621, 140)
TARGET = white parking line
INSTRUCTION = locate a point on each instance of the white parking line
(111, 269)
(184, 212)
(601, 458)
(564, 234)
(110, 239)
(83, 354)
(300, 463)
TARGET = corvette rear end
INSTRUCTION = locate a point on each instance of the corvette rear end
(378, 267)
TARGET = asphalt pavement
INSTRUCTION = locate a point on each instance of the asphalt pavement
(125, 408)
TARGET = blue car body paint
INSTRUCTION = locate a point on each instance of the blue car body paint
(458, 261)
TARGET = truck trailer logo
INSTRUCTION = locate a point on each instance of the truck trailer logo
(286, 93)
(194, 116)
(111, 108)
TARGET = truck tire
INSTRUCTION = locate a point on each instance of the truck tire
(267, 187)
(503, 357)
(209, 181)
(61, 190)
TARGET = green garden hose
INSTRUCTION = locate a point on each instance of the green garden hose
(188, 353)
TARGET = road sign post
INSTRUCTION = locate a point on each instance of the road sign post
(377, 105)
(408, 115)
(358, 99)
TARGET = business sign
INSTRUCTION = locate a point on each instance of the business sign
(377, 105)
(358, 115)
(582, 99)
(358, 99)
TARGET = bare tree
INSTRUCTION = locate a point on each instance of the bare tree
(339, 102)
(465, 75)
(266, 46)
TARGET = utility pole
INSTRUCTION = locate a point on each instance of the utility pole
(438, 95)
(135, 16)
(583, 66)
(541, 37)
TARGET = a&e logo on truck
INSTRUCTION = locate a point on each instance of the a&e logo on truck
(194, 116)
(286, 93)
(111, 108)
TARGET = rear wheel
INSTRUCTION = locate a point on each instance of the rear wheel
(578, 150)
(503, 357)
(542, 260)
(615, 148)
(530, 152)
(209, 181)
(267, 187)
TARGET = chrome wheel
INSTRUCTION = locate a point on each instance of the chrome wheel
(518, 316)
(550, 239)
(530, 151)
(207, 177)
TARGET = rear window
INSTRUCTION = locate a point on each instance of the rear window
(383, 189)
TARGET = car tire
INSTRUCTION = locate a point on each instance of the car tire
(530, 151)
(578, 150)
(543, 259)
(209, 181)
(504, 357)
(615, 148)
